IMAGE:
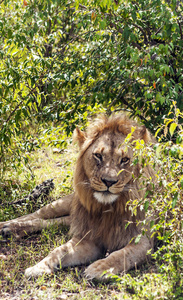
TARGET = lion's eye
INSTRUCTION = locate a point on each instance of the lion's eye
(98, 156)
(125, 160)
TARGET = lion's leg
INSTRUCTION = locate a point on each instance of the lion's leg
(73, 253)
(25, 223)
(21, 229)
(55, 209)
(119, 261)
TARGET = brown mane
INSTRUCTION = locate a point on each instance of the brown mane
(115, 123)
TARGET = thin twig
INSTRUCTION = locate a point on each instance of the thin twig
(159, 29)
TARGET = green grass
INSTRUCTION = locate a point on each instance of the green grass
(15, 256)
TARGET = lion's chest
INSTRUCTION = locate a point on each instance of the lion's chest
(106, 229)
(110, 233)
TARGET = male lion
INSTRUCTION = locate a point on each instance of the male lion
(105, 180)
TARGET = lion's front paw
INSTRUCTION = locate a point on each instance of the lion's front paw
(99, 270)
(38, 270)
(8, 229)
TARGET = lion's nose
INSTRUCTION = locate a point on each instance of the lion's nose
(108, 182)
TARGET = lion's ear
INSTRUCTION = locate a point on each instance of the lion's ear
(144, 134)
(79, 136)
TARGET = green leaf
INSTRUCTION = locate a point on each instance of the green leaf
(174, 200)
(126, 33)
(138, 238)
(181, 183)
(102, 24)
(172, 128)
(151, 224)
(158, 150)
(146, 205)
(160, 98)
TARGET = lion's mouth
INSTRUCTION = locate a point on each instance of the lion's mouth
(105, 197)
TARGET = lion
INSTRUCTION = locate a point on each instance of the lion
(102, 226)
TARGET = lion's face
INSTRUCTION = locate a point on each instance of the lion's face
(108, 166)
(105, 166)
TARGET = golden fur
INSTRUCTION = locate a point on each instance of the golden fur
(105, 180)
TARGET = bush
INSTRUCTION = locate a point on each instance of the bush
(62, 59)
(163, 201)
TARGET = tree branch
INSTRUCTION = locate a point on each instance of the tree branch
(143, 32)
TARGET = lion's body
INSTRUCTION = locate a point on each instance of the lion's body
(105, 181)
